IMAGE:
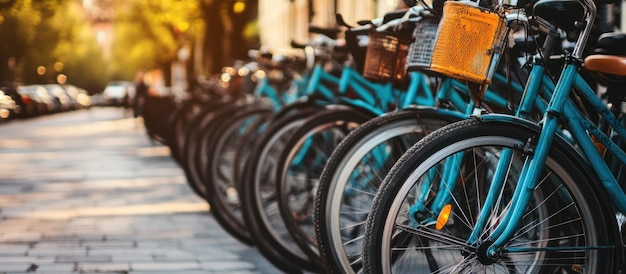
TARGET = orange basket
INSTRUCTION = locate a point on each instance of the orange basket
(470, 42)
(385, 58)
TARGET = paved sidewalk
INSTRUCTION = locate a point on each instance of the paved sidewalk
(87, 192)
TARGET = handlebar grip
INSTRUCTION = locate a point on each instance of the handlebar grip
(330, 32)
(393, 15)
(364, 22)
(340, 21)
(297, 45)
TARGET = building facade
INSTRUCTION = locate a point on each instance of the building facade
(283, 21)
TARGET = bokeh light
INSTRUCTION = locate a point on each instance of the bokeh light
(41, 70)
(58, 66)
(239, 7)
(61, 79)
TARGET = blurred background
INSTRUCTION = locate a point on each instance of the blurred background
(92, 43)
(101, 47)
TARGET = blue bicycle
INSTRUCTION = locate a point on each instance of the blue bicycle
(504, 194)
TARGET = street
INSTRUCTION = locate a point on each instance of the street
(86, 191)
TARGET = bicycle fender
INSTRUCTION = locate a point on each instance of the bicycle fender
(533, 126)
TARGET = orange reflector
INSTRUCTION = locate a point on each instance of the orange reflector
(443, 216)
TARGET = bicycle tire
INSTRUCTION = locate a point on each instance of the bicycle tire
(186, 112)
(222, 193)
(300, 165)
(338, 224)
(196, 146)
(191, 143)
(258, 198)
(566, 208)
(249, 138)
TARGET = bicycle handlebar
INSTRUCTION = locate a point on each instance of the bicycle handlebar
(297, 45)
(412, 14)
(329, 32)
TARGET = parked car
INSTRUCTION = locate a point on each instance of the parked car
(79, 95)
(30, 102)
(23, 106)
(44, 96)
(7, 106)
(63, 101)
(118, 93)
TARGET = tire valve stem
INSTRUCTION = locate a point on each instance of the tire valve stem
(443, 217)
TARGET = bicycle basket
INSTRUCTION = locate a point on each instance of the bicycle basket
(470, 42)
(385, 58)
(356, 42)
(421, 49)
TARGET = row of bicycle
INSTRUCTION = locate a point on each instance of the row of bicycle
(434, 154)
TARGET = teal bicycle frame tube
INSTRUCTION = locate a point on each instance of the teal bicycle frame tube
(530, 97)
(418, 86)
(352, 80)
(529, 177)
(264, 89)
(602, 170)
(580, 127)
(317, 83)
(383, 95)
(450, 88)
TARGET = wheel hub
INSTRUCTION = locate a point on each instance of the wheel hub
(483, 256)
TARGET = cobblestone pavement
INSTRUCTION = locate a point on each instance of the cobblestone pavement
(87, 192)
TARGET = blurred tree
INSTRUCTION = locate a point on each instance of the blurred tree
(148, 34)
(17, 22)
(244, 37)
(37, 34)
(6, 3)
(230, 31)
(79, 53)
(50, 28)
(62, 44)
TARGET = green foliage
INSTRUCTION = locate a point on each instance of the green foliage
(251, 34)
(17, 28)
(148, 34)
(45, 32)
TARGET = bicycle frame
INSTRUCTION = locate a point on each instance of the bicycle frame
(377, 98)
(537, 86)
(280, 98)
(450, 89)
(579, 127)
(561, 107)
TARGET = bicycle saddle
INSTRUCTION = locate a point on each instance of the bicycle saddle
(562, 13)
(608, 64)
(609, 70)
(612, 43)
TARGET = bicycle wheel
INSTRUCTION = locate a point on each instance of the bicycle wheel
(186, 112)
(219, 181)
(195, 146)
(428, 205)
(189, 153)
(352, 175)
(243, 151)
(300, 165)
(259, 200)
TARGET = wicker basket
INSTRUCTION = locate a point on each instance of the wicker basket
(470, 42)
(421, 49)
(385, 59)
